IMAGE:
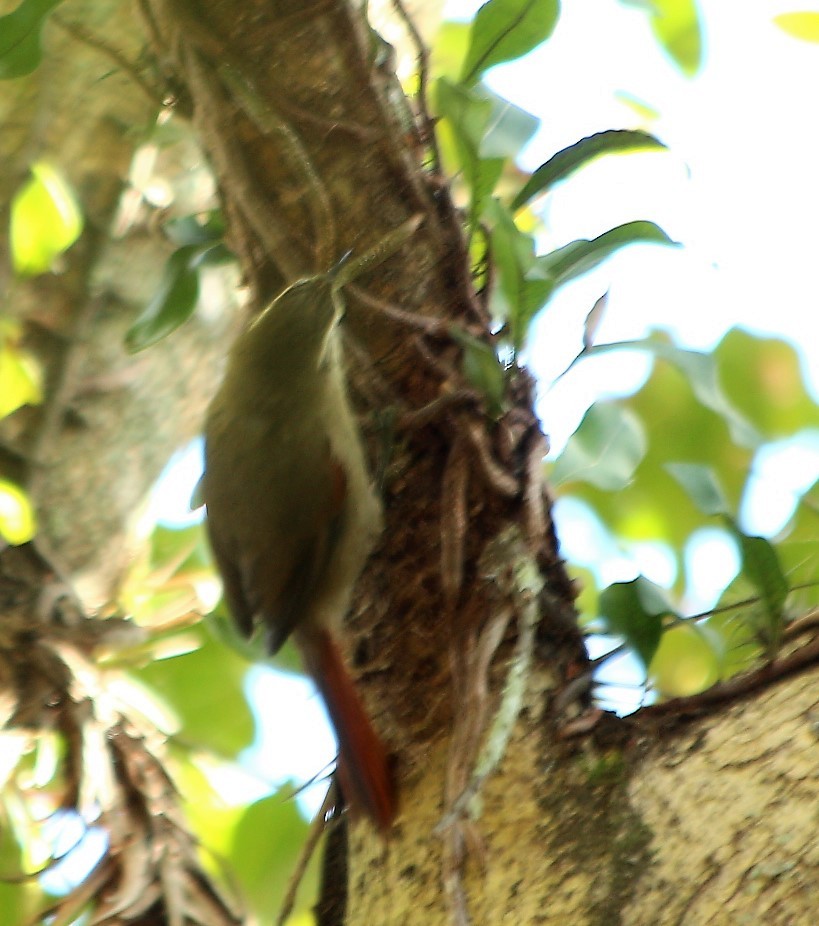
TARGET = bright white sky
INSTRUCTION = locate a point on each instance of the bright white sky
(739, 188)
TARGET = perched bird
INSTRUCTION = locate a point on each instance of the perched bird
(291, 514)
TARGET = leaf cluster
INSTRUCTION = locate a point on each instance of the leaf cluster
(678, 456)
(481, 135)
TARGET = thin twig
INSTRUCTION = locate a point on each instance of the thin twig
(316, 831)
(496, 476)
(454, 518)
(81, 34)
(429, 326)
(735, 688)
(428, 125)
(436, 409)
(535, 514)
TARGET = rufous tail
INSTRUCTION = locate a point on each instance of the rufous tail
(363, 769)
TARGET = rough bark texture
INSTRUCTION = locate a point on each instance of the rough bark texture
(730, 803)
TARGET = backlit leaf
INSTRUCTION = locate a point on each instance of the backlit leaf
(585, 254)
(205, 689)
(521, 288)
(635, 610)
(676, 25)
(605, 450)
(20, 379)
(506, 29)
(701, 371)
(263, 867)
(466, 118)
(702, 486)
(687, 661)
(566, 162)
(803, 26)
(45, 221)
(763, 379)
(679, 429)
(17, 521)
(761, 566)
(509, 127)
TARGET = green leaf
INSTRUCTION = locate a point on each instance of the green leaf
(804, 26)
(467, 111)
(588, 599)
(509, 127)
(798, 549)
(740, 640)
(800, 563)
(21, 381)
(679, 428)
(17, 520)
(263, 866)
(17, 901)
(804, 523)
(205, 689)
(605, 450)
(173, 302)
(201, 228)
(184, 547)
(448, 50)
(216, 255)
(578, 257)
(484, 370)
(760, 562)
(499, 129)
(700, 369)
(20, 37)
(702, 486)
(760, 565)
(506, 29)
(205, 808)
(45, 220)
(640, 108)
(467, 115)
(223, 628)
(676, 25)
(567, 161)
(763, 379)
(521, 288)
(635, 610)
(688, 660)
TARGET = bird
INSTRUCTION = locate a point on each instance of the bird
(292, 515)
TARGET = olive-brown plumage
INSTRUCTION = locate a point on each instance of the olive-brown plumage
(291, 514)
